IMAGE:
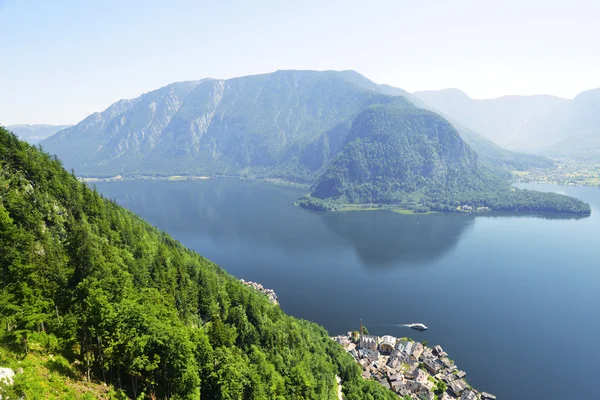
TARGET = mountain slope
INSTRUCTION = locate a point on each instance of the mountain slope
(287, 124)
(578, 127)
(35, 133)
(516, 122)
(487, 150)
(405, 149)
(130, 306)
(415, 159)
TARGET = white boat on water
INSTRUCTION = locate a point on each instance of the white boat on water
(417, 326)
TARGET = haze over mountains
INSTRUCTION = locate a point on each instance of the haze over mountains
(286, 124)
(542, 124)
(34, 133)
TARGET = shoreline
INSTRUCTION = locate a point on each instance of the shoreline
(270, 293)
(180, 178)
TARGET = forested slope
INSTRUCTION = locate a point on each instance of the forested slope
(85, 278)
(413, 158)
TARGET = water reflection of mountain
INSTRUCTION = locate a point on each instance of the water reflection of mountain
(256, 214)
(383, 238)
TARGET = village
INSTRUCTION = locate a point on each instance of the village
(409, 368)
(270, 293)
(565, 172)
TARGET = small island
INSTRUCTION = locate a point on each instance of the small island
(409, 368)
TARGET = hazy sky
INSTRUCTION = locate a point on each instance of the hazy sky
(62, 60)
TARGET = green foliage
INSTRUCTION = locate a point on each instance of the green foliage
(416, 160)
(86, 278)
(440, 388)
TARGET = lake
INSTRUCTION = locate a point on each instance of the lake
(514, 300)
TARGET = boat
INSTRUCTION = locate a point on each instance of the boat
(417, 326)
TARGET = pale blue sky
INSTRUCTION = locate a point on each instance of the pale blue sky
(62, 60)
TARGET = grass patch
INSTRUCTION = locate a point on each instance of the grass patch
(48, 376)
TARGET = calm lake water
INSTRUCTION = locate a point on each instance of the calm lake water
(514, 300)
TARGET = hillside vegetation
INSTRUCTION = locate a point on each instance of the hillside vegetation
(415, 159)
(114, 300)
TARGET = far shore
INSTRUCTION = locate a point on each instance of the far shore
(177, 178)
(375, 207)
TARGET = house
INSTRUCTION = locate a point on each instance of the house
(437, 350)
(433, 365)
(412, 372)
(368, 342)
(401, 345)
(487, 396)
(461, 374)
(401, 388)
(457, 386)
(410, 362)
(468, 395)
(421, 376)
(393, 362)
(408, 349)
(387, 344)
(396, 377)
(449, 378)
(416, 351)
(384, 383)
(415, 386)
(447, 363)
(425, 394)
(371, 355)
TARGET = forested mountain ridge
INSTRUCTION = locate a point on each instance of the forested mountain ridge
(286, 124)
(413, 158)
(88, 279)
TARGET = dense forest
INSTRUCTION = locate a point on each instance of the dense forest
(415, 159)
(87, 279)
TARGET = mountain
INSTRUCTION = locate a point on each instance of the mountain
(286, 124)
(487, 150)
(542, 124)
(35, 133)
(93, 293)
(400, 155)
(578, 127)
(514, 122)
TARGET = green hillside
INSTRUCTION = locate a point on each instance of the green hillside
(412, 158)
(112, 299)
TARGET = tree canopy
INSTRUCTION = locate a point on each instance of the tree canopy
(138, 310)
